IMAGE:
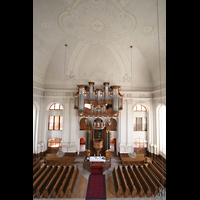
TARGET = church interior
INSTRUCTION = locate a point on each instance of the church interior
(99, 99)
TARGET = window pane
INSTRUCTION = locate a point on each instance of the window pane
(61, 108)
(61, 122)
(144, 120)
(51, 107)
(144, 127)
(56, 106)
(139, 127)
(139, 107)
(139, 120)
(50, 122)
(56, 126)
(143, 108)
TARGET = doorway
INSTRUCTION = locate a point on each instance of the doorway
(113, 144)
(82, 144)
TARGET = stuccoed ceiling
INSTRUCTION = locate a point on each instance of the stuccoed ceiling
(98, 34)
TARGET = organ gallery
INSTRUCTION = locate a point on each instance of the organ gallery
(98, 106)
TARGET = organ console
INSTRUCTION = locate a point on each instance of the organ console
(106, 102)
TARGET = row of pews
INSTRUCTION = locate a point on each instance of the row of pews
(138, 180)
(53, 180)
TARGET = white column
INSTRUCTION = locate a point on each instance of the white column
(65, 137)
(150, 128)
(129, 140)
(123, 129)
(73, 127)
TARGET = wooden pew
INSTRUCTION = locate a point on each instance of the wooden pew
(37, 183)
(44, 183)
(152, 185)
(159, 168)
(72, 183)
(129, 181)
(145, 185)
(47, 190)
(152, 176)
(123, 181)
(39, 172)
(34, 160)
(161, 163)
(60, 160)
(63, 188)
(133, 161)
(50, 155)
(136, 181)
(36, 168)
(158, 174)
(116, 183)
(35, 163)
(59, 182)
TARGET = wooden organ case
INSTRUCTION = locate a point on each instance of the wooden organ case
(106, 103)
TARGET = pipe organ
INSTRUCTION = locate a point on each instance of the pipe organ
(106, 102)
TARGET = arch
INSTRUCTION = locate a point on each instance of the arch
(113, 124)
(49, 104)
(143, 104)
(35, 126)
(36, 104)
(54, 142)
(82, 124)
(161, 128)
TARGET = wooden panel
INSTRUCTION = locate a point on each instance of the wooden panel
(82, 124)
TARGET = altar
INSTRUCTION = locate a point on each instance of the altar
(97, 159)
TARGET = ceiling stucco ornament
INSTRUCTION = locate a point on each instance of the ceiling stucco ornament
(150, 28)
(43, 24)
(97, 22)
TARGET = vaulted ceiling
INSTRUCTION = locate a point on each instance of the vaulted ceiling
(98, 35)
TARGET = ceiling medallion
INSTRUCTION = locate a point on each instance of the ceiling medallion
(97, 25)
(97, 22)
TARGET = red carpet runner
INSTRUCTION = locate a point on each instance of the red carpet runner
(96, 188)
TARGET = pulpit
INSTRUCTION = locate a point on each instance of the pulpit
(98, 144)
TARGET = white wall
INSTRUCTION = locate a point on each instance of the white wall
(71, 134)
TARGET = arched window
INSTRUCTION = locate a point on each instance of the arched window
(55, 106)
(140, 108)
(161, 127)
(113, 124)
(139, 119)
(55, 122)
(54, 142)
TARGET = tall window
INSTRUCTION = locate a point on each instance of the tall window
(55, 122)
(161, 127)
(140, 124)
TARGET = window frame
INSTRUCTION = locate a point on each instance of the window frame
(54, 104)
(60, 119)
(142, 124)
